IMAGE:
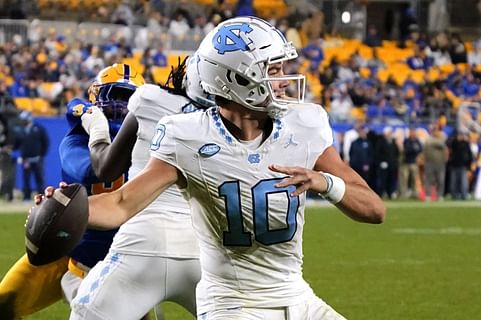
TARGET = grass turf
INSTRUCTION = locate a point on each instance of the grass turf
(424, 262)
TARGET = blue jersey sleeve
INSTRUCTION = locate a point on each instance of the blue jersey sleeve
(75, 160)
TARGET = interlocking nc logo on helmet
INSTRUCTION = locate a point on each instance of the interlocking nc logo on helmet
(232, 38)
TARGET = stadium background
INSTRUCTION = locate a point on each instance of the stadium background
(332, 37)
(423, 263)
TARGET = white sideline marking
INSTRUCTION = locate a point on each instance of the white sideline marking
(440, 231)
(310, 203)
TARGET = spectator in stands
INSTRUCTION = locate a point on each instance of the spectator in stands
(360, 154)
(375, 63)
(291, 31)
(201, 28)
(94, 61)
(407, 24)
(244, 8)
(372, 38)
(349, 136)
(341, 106)
(184, 9)
(123, 14)
(33, 143)
(313, 26)
(386, 156)
(159, 57)
(418, 61)
(314, 54)
(409, 170)
(20, 87)
(7, 166)
(179, 26)
(439, 50)
(221, 9)
(435, 156)
(457, 50)
(474, 57)
(346, 72)
(461, 159)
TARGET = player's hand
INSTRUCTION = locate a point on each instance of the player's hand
(94, 119)
(48, 193)
(303, 179)
(38, 198)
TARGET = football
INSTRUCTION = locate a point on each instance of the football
(55, 226)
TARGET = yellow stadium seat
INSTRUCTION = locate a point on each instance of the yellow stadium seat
(172, 59)
(23, 103)
(134, 63)
(417, 75)
(382, 75)
(358, 113)
(365, 72)
(47, 86)
(160, 74)
(41, 107)
(446, 68)
(434, 74)
(462, 66)
(270, 8)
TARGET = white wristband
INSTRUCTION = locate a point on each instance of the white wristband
(96, 125)
(336, 187)
(97, 136)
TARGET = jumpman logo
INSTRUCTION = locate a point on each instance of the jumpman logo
(291, 141)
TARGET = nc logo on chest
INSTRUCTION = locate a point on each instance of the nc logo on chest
(254, 158)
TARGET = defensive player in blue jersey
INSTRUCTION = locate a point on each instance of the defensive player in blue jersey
(26, 289)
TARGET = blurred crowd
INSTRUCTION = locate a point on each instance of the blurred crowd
(413, 162)
(410, 82)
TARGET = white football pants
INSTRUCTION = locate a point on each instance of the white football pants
(126, 287)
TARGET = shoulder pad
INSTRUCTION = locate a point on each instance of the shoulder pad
(75, 109)
(309, 114)
(150, 91)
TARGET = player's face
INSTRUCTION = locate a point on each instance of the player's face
(278, 87)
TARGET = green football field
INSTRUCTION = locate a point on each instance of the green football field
(424, 262)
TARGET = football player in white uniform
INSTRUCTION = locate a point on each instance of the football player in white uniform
(154, 256)
(244, 166)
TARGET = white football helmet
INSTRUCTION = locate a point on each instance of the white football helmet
(192, 85)
(234, 60)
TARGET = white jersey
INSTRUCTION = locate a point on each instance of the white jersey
(155, 231)
(250, 232)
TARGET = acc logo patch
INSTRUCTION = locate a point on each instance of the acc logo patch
(208, 150)
(232, 38)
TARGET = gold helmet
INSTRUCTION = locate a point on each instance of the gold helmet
(112, 89)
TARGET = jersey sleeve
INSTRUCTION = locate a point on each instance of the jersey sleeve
(163, 146)
(135, 101)
(326, 129)
(315, 120)
(75, 160)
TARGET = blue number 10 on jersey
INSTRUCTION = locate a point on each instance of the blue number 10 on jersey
(236, 235)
